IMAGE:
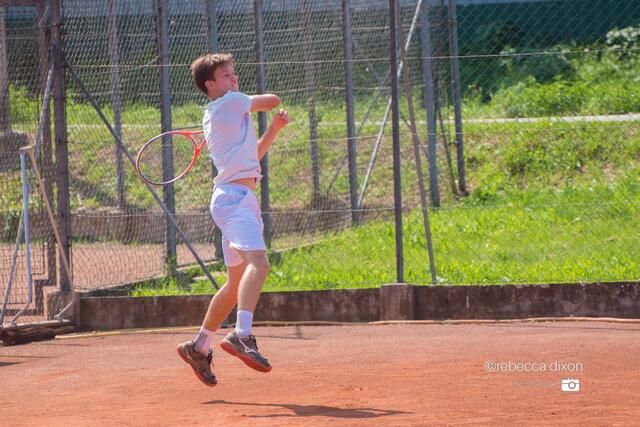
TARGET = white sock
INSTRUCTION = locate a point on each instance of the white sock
(243, 324)
(202, 343)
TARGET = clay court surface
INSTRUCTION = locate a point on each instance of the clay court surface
(363, 375)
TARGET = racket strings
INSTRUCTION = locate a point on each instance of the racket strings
(166, 158)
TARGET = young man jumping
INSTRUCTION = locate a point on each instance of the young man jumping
(236, 154)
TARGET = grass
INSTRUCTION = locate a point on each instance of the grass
(169, 287)
(565, 242)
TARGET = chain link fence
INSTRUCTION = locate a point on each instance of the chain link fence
(27, 246)
(527, 112)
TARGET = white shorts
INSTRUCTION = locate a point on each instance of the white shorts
(235, 210)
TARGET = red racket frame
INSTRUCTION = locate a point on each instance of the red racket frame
(196, 151)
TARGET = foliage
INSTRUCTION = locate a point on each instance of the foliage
(626, 40)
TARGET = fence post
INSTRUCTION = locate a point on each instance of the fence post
(351, 128)
(395, 120)
(47, 159)
(116, 102)
(212, 46)
(162, 15)
(309, 83)
(457, 96)
(5, 114)
(61, 143)
(427, 64)
(212, 25)
(262, 120)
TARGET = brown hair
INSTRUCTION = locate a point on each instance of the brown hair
(202, 69)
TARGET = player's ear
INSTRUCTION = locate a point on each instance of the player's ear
(209, 84)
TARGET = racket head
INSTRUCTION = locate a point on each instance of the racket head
(167, 157)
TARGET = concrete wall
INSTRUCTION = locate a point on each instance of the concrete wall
(101, 313)
(522, 301)
(390, 302)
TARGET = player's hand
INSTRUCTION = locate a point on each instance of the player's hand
(280, 119)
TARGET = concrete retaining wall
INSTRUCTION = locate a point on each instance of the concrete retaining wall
(390, 302)
(348, 305)
(522, 301)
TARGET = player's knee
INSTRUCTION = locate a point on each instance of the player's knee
(234, 274)
(261, 264)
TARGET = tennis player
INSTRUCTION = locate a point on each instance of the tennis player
(236, 153)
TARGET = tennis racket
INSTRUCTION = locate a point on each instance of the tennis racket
(169, 156)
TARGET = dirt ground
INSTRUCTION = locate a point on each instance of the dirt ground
(353, 375)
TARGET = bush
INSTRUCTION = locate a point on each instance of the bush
(543, 67)
(23, 107)
(529, 98)
(625, 39)
(612, 98)
(590, 84)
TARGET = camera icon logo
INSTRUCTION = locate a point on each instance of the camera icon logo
(570, 384)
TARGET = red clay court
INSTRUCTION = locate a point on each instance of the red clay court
(361, 374)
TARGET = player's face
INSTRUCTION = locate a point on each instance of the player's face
(226, 79)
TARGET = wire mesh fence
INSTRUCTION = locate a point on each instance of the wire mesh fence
(542, 95)
(27, 259)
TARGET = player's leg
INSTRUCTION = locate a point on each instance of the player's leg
(241, 342)
(225, 299)
(236, 211)
(252, 281)
(198, 353)
(220, 306)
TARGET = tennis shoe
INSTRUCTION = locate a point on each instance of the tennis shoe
(246, 349)
(200, 363)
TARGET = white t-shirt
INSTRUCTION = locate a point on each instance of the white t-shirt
(231, 138)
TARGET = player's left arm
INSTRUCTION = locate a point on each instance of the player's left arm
(280, 120)
(263, 103)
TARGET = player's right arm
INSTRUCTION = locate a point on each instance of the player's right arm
(266, 102)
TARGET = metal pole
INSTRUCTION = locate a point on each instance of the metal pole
(116, 102)
(29, 150)
(309, 83)
(212, 25)
(43, 123)
(427, 64)
(5, 115)
(395, 120)
(417, 155)
(61, 142)
(457, 96)
(351, 130)
(129, 157)
(262, 121)
(47, 158)
(27, 240)
(12, 269)
(165, 113)
(115, 96)
(212, 46)
(374, 154)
